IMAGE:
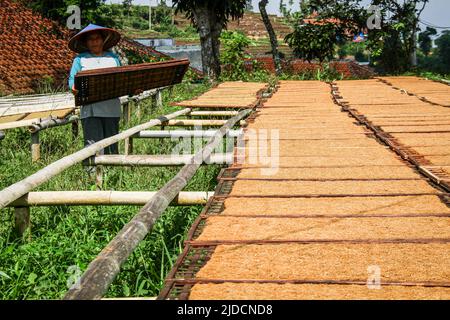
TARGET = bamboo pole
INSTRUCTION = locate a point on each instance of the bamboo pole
(30, 108)
(24, 186)
(158, 160)
(2, 135)
(191, 123)
(183, 134)
(18, 124)
(51, 123)
(38, 97)
(35, 147)
(104, 198)
(103, 269)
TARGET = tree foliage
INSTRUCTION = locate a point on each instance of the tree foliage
(311, 41)
(210, 17)
(425, 41)
(335, 22)
(443, 51)
(92, 11)
(220, 11)
(234, 56)
(394, 45)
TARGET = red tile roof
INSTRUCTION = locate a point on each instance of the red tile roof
(32, 47)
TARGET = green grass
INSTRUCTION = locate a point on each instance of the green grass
(66, 238)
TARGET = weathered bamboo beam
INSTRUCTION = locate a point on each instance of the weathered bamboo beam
(104, 198)
(214, 113)
(199, 123)
(102, 270)
(158, 160)
(24, 186)
(51, 123)
(183, 134)
(35, 97)
(40, 107)
(18, 124)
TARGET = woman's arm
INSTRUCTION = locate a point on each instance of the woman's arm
(76, 67)
(116, 57)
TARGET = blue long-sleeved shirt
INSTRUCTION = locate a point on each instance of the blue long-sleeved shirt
(88, 61)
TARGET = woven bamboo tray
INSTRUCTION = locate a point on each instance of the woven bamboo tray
(337, 206)
(223, 228)
(398, 262)
(108, 83)
(289, 291)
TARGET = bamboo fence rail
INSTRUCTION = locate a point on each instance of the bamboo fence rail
(21, 188)
(113, 198)
(158, 160)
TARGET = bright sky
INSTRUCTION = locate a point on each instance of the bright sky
(437, 12)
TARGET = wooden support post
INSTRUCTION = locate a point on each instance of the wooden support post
(126, 121)
(128, 146)
(99, 177)
(138, 110)
(35, 147)
(22, 219)
(159, 102)
(75, 130)
(98, 174)
(126, 114)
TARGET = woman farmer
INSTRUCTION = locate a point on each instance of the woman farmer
(100, 120)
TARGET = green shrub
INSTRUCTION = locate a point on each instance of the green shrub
(237, 64)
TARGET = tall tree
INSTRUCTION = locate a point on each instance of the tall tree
(210, 17)
(272, 36)
(404, 20)
(425, 41)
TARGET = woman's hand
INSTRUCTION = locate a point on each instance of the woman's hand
(74, 91)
